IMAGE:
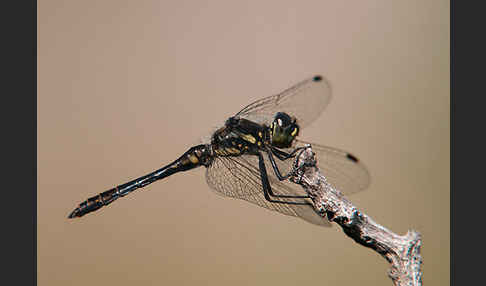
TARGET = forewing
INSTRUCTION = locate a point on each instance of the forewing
(342, 170)
(239, 177)
(305, 101)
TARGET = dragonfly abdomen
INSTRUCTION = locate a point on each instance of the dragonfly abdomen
(196, 156)
(95, 203)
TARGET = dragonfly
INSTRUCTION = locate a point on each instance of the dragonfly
(252, 156)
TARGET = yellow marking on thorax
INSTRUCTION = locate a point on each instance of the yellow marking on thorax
(249, 138)
(193, 159)
(227, 151)
(232, 150)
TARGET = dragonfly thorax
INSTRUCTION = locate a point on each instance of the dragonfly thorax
(283, 130)
(240, 136)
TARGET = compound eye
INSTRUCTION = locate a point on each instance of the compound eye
(283, 119)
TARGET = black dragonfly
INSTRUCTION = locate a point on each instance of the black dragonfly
(262, 135)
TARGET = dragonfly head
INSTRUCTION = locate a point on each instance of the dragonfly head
(283, 130)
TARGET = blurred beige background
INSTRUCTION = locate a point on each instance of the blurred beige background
(125, 87)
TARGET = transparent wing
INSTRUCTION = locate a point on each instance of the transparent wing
(305, 101)
(342, 169)
(239, 177)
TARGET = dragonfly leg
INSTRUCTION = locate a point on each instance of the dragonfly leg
(281, 178)
(281, 155)
(284, 155)
(275, 168)
(267, 189)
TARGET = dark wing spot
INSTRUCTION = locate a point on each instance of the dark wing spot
(317, 78)
(352, 158)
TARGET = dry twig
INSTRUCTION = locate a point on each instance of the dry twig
(402, 252)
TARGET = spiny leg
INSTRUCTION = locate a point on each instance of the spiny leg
(267, 189)
(282, 155)
(275, 168)
(281, 178)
